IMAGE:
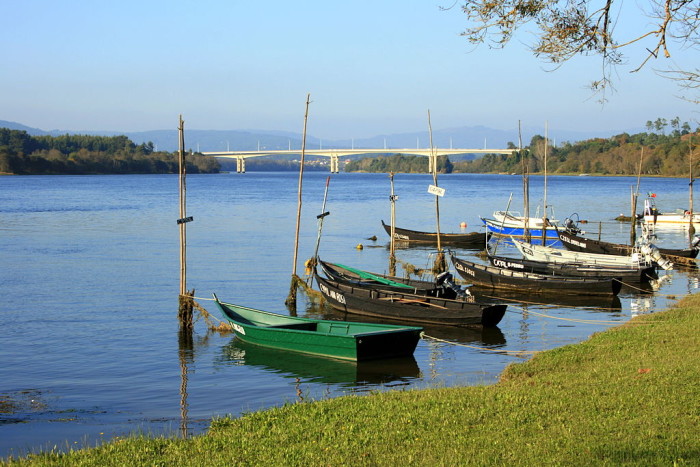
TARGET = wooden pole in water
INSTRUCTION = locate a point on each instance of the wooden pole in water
(185, 298)
(440, 264)
(544, 214)
(526, 187)
(691, 227)
(292, 298)
(635, 195)
(392, 230)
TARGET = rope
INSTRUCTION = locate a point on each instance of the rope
(574, 320)
(515, 353)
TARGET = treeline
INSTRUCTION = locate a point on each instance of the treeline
(661, 155)
(23, 154)
(398, 164)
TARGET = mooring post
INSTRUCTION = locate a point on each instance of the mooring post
(185, 298)
(292, 298)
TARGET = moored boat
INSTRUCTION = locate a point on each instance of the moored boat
(499, 278)
(442, 287)
(678, 217)
(469, 239)
(517, 229)
(576, 242)
(406, 307)
(623, 273)
(337, 339)
(559, 256)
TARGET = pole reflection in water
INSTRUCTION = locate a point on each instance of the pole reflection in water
(185, 356)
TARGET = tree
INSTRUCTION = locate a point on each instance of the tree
(568, 28)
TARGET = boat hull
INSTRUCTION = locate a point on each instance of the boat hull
(578, 243)
(498, 278)
(510, 230)
(624, 274)
(344, 340)
(403, 307)
(471, 239)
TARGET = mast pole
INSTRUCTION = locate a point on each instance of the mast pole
(292, 298)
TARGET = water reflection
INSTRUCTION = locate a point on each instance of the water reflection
(185, 357)
(315, 369)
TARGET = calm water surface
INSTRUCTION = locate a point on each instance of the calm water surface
(90, 348)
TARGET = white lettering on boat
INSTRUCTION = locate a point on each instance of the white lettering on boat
(463, 269)
(338, 297)
(507, 264)
(238, 328)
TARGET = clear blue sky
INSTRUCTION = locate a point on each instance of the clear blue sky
(372, 67)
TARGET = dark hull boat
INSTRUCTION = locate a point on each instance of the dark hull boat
(470, 239)
(498, 278)
(407, 307)
(337, 339)
(625, 274)
(575, 242)
(442, 288)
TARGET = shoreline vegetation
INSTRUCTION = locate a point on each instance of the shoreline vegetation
(659, 155)
(626, 396)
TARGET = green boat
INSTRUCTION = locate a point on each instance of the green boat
(345, 340)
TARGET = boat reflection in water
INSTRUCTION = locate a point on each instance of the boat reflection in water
(315, 369)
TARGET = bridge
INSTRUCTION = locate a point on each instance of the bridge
(334, 154)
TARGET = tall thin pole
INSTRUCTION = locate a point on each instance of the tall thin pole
(635, 196)
(691, 227)
(392, 244)
(544, 214)
(185, 301)
(292, 299)
(183, 210)
(526, 187)
(440, 260)
(392, 198)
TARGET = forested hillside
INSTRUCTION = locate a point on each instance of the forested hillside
(23, 154)
(660, 154)
(399, 163)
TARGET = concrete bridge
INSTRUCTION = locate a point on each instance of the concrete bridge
(334, 154)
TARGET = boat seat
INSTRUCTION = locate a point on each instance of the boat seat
(299, 326)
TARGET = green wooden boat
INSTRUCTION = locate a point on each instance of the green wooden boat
(345, 340)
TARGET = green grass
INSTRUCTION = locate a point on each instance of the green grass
(627, 396)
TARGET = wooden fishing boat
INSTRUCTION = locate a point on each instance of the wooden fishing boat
(465, 240)
(517, 229)
(575, 242)
(498, 278)
(442, 287)
(559, 256)
(406, 307)
(625, 274)
(337, 339)
(678, 218)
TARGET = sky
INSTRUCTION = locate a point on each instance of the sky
(370, 67)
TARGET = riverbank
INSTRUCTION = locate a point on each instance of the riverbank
(628, 395)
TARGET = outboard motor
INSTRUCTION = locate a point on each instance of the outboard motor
(570, 226)
(445, 280)
(695, 242)
(651, 251)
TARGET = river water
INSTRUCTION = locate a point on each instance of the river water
(90, 347)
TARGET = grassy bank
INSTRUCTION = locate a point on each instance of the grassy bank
(630, 395)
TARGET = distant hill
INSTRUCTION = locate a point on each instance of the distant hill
(473, 137)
